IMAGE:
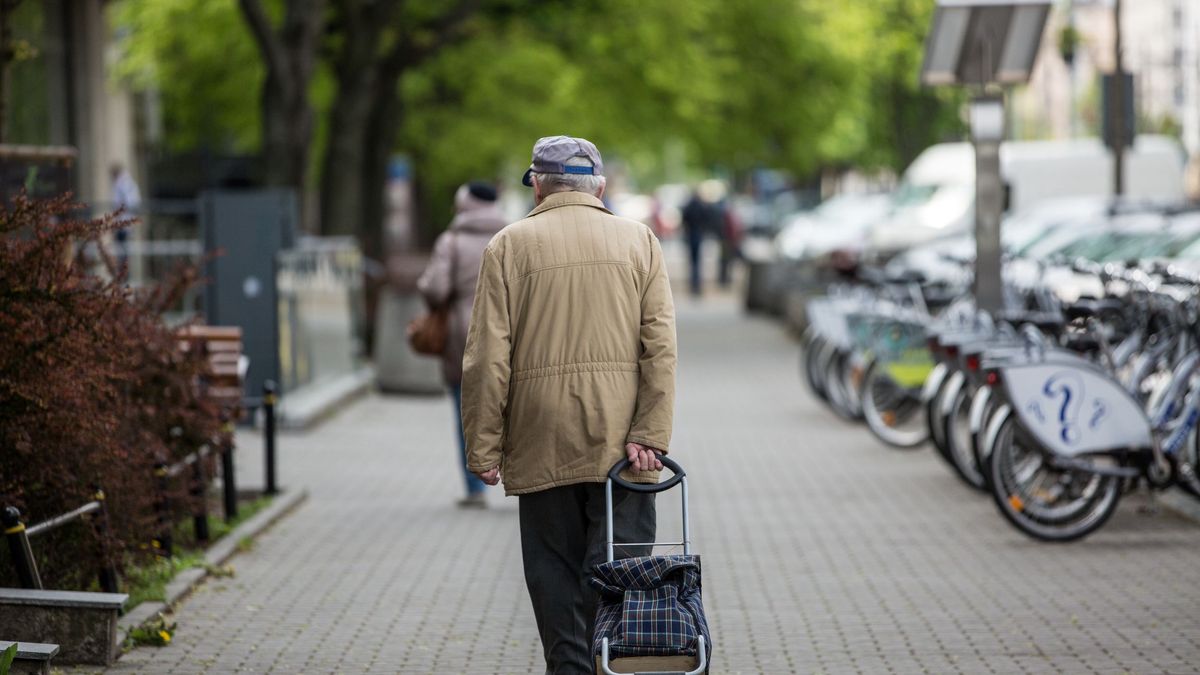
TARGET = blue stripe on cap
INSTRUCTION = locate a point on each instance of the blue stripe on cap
(583, 170)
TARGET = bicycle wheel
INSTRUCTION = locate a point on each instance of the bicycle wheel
(951, 385)
(809, 358)
(842, 396)
(1191, 456)
(892, 412)
(1043, 501)
(932, 418)
(958, 439)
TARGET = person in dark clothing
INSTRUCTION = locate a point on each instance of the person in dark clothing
(703, 216)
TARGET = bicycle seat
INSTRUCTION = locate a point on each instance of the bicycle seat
(939, 297)
(1047, 322)
(1082, 342)
(1083, 309)
(907, 277)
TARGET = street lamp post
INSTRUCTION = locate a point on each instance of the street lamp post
(985, 44)
(1118, 106)
(986, 114)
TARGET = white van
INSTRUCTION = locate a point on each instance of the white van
(936, 197)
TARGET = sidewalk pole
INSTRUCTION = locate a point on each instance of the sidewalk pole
(19, 548)
(228, 478)
(108, 570)
(165, 538)
(269, 399)
(200, 497)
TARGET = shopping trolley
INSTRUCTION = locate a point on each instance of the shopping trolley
(650, 618)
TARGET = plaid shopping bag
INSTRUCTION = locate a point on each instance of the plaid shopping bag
(650, 606)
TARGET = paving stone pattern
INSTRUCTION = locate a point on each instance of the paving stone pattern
(824, 551)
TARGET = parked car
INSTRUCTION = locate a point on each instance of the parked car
(936, 197)
(816, 247)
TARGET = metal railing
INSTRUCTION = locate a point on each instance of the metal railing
(19, 535)
(19, 545)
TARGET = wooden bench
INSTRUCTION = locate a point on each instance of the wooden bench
(223, 347)
(33, 658)
(84, 625)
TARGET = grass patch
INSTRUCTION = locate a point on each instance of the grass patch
(217, 526)
(148, 579)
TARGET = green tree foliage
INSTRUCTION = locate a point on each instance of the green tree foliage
(741, 85)
(787, 84)
(901, 117)
(201, 59)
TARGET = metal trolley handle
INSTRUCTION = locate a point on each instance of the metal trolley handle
(680, 479)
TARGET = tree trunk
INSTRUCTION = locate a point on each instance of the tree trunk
(382, 131)
(341, 175)
(290, 55)
(358, 66)
(349, 138)
(275, 136)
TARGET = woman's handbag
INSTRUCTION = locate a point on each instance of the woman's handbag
(429, 332)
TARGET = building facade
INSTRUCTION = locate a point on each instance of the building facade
(60, 94)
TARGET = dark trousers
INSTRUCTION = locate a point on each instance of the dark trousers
(695, 254)
(562, 538)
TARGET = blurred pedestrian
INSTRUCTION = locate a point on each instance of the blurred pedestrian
(731, 243)
(570, 366)
(449, 281)
(703, 217)
(127, 198)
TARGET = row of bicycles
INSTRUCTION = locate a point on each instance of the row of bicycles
(1056, 409)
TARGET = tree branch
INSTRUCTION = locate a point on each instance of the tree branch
(268, 42)
(447, 30)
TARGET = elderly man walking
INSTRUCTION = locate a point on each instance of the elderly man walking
(570, 366)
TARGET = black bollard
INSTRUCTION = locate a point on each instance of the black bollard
(200, 500)
(228, 479)
(18, 546)
(269, 398)
(165, 541)
(108, 569)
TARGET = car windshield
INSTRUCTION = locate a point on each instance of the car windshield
(1132, 245)
(1191, 251)
(911, 195)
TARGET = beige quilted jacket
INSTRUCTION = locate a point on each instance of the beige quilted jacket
(571, 347)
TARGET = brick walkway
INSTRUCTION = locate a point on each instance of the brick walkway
(824, 551)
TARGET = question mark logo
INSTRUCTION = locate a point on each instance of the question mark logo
(1069, 387)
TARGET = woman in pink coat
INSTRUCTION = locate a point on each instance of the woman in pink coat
(450, 278)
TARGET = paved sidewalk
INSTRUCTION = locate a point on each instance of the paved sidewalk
(824, 551)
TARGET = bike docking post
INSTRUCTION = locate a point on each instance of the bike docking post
(269, 400)
(19, 548)
(228, 479)
(163, 543)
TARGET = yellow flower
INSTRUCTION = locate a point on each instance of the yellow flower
(166, 637)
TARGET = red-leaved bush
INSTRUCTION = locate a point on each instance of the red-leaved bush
(95, 391)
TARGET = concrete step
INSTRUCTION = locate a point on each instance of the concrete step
(84, 624)
(33, 658)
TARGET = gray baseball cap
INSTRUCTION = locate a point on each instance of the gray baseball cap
(550, 155)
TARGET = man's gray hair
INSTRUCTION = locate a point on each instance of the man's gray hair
(549, 183)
